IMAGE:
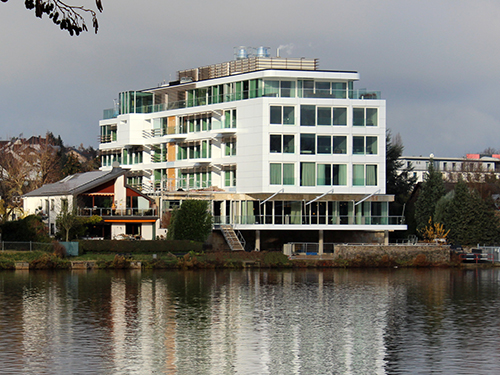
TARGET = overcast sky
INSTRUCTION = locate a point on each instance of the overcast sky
(436, 62)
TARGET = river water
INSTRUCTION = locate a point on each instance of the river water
(396, 321)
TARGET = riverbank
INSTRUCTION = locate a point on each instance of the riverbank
(379, 258)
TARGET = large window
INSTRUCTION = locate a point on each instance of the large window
(282, 143)
(324, 115)
(364, 175)
(287, 89)
(307, 115)
(307, 174)
(364, 145)
(365, 117)
(308, 144)
(332, 174)
(230, 178)
(324, 144)
(282, 115)
(282, 174)
(339, 144)
(339, 116)
(230, 118)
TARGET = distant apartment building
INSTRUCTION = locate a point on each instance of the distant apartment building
(281, 149)
(451, 168)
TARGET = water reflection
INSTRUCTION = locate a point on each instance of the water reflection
(251, 322)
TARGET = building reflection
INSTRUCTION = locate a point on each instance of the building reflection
(242, 321)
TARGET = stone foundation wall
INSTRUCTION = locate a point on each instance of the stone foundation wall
(406, 253)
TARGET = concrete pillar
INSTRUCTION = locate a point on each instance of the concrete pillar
(386, 237)
(320, 247)
(257, 240)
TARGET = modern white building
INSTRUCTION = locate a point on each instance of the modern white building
(284, 151)
(452, 167)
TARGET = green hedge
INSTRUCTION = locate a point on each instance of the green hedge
(139, 247)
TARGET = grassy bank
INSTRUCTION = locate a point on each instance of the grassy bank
(201, 260)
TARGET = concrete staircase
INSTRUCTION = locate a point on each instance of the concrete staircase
(234, 239)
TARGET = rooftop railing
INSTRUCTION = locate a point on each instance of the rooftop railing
(243, 95)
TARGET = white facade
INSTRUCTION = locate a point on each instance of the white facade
(242, 137)
(451, 168)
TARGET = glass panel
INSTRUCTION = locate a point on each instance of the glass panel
(275, 143)
(288, 174)
(275, 174)
(271, 88)
(288, 115)
(287, 89)
(371, 145)
(275, 115)
(358, 145)
(307, 143)
(324, 174)
(307, 115)
(288, 144)
(308, 88)
(227, 119)
(358, 117)
(339, 144)
(358, 175)
(371, 175)
(253, 89)
(339, 89)
(371, 117)
(324, 144)
(340, 116)
(339, 174)
(307, 174)
(324, 116)
(322, 89)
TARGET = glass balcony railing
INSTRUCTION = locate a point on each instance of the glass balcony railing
(243, 95)
(310, 220)
(105, 211)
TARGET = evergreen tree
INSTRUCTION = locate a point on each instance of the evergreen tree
(399, 181)
(432, 190)
(192, 221)
(469, 218)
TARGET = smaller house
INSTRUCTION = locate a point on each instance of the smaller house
(126, 212)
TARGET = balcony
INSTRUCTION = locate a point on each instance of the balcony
(308, 220)
(243, 95)
(118, 213)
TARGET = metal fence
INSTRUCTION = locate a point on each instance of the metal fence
(26, 246)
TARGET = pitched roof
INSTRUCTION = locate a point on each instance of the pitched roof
(77, 183)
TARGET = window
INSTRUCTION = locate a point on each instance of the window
(230, 148)
(339, 172)
(230, 118)
(328, 174)
(364, 145)
(324, 174)
(339, 116)
(307, 174)
(339, 144)
(282, 115)
(287, 89)
(230, 178)
(324, 116)
(324, 144)
(288, 143)
(271, 88)
(282, 174)
(365, 117)
(282, 143)
(307, 115)
(275, 143)
(364, 175)
(307, 143)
